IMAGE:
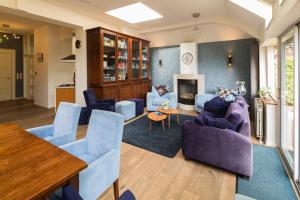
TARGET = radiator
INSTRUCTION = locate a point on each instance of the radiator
(258, 106)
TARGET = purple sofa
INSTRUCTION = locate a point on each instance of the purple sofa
(222, 148)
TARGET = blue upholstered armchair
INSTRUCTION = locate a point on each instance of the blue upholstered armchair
(101, 151)
(92, 102)
(154, 100)
(64, 128)
(201, 99)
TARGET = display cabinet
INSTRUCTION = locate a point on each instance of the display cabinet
(118, 64)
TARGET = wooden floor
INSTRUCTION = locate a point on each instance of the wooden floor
(148, 175)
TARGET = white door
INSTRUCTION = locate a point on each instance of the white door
(7, 65)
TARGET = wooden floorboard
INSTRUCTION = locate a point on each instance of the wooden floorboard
(148, 175)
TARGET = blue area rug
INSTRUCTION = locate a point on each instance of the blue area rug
(270, 180)
(166, 143)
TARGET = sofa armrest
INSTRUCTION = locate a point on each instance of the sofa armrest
(219, 147)
(42, 131)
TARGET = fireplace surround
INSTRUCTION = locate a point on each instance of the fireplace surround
(186, 86)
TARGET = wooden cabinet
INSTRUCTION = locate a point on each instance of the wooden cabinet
(118, 64)
(64, 94)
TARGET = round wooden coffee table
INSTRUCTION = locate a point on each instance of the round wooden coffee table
(156, 118)
(169, 112)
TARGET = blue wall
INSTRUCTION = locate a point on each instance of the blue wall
(212, 61)
(16, 44)
(170, 65)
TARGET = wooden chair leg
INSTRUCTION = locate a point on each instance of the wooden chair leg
(116, 189)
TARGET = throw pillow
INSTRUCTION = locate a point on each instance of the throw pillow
(226, 94)
(218, 106)
(162, 89)
(207, 119)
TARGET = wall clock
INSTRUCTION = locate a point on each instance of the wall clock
(187, 58)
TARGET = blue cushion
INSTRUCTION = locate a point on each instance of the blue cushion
(203, 98)
(217, 106)
(207, 119)
(154, 92)
(127, 195)
(158, 101)
(70, 194)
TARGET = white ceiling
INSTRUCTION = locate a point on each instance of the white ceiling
(176, 13)
(18, 24)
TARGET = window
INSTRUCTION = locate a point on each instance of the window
(272, 70)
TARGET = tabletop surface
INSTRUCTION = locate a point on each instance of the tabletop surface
(154, 117)
(168, 111)
(30, 167)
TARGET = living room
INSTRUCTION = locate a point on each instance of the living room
(176, 99)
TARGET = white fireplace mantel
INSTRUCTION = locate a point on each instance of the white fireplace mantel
(200, 86)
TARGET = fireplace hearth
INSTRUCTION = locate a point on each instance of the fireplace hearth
(187, 90)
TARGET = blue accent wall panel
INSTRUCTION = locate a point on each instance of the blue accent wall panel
(16, 44)
(212, 61)
(170, 65)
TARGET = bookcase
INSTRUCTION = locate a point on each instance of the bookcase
(118, 64)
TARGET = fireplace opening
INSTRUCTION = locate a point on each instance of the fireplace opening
(187, 90)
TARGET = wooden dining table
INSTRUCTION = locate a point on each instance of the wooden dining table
(32, 168)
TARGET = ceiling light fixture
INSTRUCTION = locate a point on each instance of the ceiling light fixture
(196, 16)
(134, 13)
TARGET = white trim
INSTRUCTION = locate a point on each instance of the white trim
(296, 104)
(13, 71)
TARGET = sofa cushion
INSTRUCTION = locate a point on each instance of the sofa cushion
(217, 106)
(208, 119)
(235, 113)
(203, 98)
(158, 101)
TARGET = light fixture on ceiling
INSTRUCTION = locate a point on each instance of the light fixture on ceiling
(196, 16)
(134, 13)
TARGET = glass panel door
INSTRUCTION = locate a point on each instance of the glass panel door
(109, 57)
(135, 59)
(288, 97)
(145, 53)
(122, 59)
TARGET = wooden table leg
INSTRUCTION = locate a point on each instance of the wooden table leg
(169, 121)
(74, 182)
(116, 189)
(163, 124)
(177, 119)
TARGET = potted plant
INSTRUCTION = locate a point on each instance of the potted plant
(265, 92)
(165, 105)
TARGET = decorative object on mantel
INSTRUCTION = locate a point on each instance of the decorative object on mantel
(265, 92)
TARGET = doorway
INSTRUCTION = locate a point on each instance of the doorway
(7, 74)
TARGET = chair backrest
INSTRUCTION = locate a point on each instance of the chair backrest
(90, 97)
(104, 132)
(66, 119)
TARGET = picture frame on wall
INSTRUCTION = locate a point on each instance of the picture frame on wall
(40, 57)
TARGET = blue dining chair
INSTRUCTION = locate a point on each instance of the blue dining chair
(100, 149)
(64, 128)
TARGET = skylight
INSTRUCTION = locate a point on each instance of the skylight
(134, 13)
(257, 7)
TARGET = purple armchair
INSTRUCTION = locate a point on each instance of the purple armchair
(222, 148)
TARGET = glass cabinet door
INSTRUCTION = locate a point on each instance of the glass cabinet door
(109, 59)
(145, 53)
(135, 66)
(122, 59)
